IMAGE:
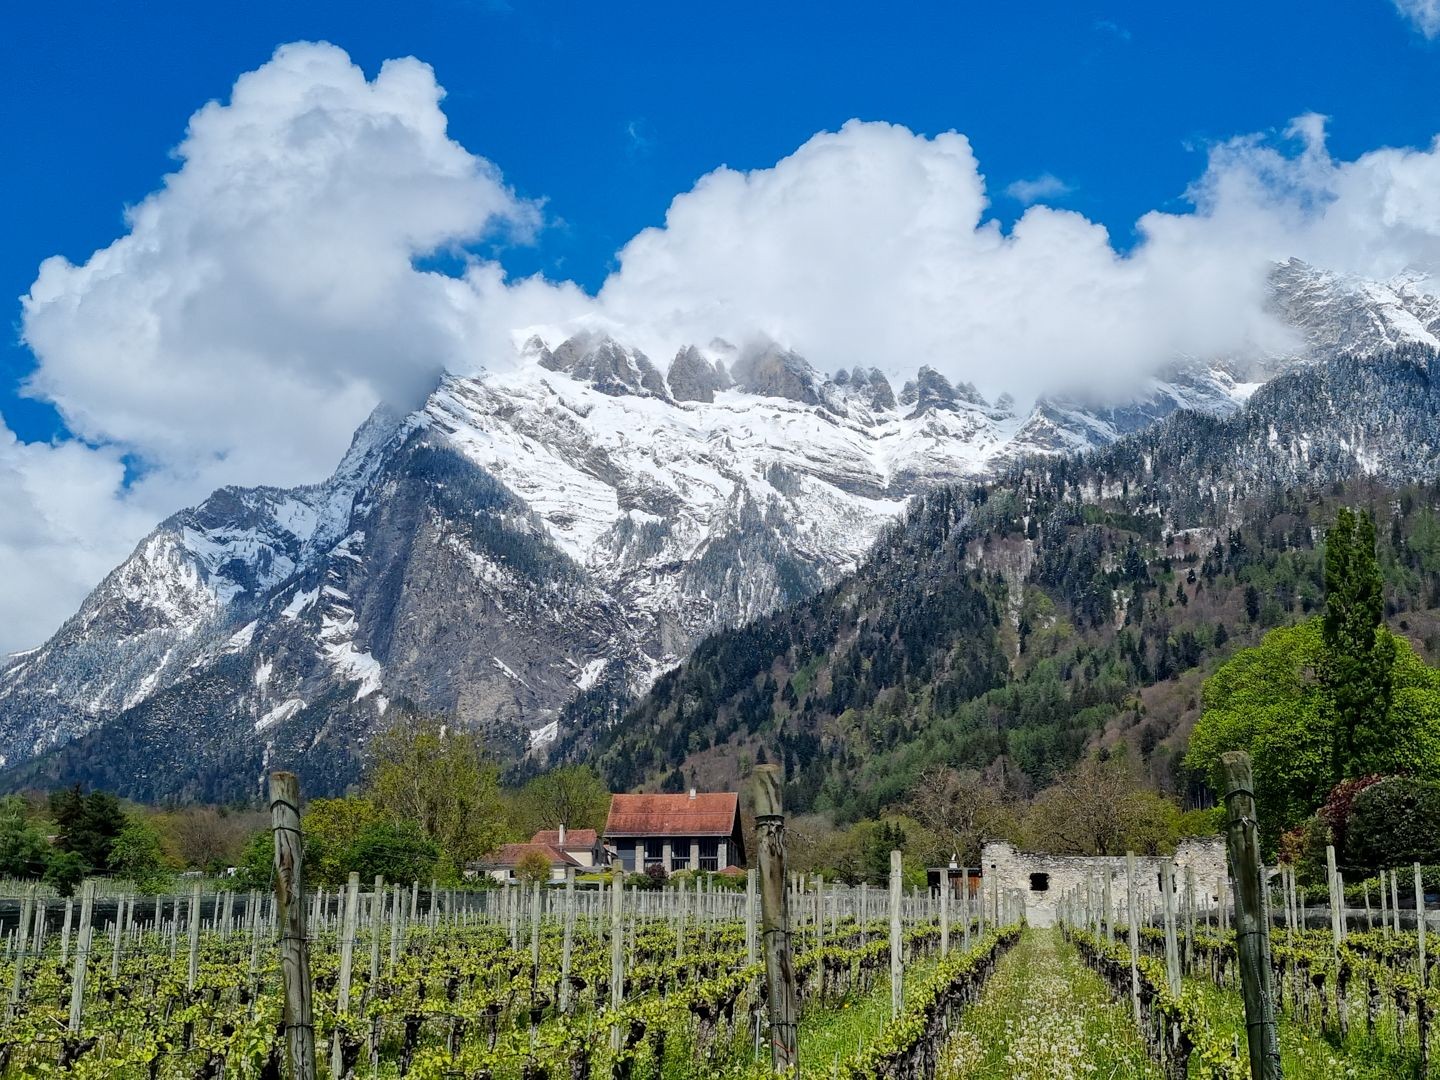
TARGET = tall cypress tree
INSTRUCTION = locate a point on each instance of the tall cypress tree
(1359, 650)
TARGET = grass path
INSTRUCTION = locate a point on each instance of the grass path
(1045, 1016)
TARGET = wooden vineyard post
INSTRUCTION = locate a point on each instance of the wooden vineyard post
(1252, 929)
(944, 913)
(1134, 932)
(1420, 926)
(192, 929)
(348, 929)
(750, 951)
(775, 917)
(18, 983)
(965, 910)
(1109, 911)
(617, 950)
(897, 961)
(568, 944)
(65, 931)
(1332, 882)
(1384, 908)
(377, 918)
(82, 956)
(1172, 945)
(290, 919)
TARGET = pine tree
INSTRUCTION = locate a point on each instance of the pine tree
(1359, 650)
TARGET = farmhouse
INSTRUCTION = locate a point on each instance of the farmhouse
(1041, 880)
(564, 849)
(689, 831)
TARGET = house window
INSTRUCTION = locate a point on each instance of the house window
(710, 855)
(1039, 882)
(654, 853)
(627, 858)
(679, 854)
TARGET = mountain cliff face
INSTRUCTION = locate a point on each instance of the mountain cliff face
(1008, 625)
(573, 525)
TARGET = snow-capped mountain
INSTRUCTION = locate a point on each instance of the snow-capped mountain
(581, 517)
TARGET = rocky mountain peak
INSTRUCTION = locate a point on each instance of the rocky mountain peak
(607, 365)
(694, 378)
(930, 391)
(773, 371)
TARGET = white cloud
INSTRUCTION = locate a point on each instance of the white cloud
(1424, 14)
(266, 296)
(63, 528)
(1045, 186)
(871, 245)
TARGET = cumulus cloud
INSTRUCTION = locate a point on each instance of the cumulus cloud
(1424, 14)
(63, 512)
(872, 245)
(268, 295)
(261, 303)
(1045, 186)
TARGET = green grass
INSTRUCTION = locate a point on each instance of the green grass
(1306, 1053)
(1044, 1015)
(843, 1025)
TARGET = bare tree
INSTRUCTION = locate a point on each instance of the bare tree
(1101, 807)
(959, 810)
(205, 836)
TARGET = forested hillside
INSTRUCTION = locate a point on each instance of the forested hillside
(1006, 627)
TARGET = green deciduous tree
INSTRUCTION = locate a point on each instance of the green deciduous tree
(136, 854)
(1273, 702)
(23, 848)
(572, 795)
(441, 780)
(1395, 822)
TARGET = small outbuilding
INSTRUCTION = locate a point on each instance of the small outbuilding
(578, 849)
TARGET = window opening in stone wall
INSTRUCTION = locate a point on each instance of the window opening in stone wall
(1039, 882)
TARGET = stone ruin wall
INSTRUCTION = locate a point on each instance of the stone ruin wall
(1016, 870)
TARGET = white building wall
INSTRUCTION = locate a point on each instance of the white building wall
(1014, 869)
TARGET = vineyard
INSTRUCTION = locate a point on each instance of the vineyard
(560, 981)
(514, 983)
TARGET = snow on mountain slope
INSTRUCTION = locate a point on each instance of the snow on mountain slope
(580, 519)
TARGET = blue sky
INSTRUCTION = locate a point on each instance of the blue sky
(225, 306)
(608, 110)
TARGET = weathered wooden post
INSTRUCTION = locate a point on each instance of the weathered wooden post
(1337, 900)
(1420, 926)
(18, 982)
(82, 956)
(897, 961)
(349, 928)
(1132, 926)
(193, 940)
(1252, 930)
(750, 950)
(944, 913)
(568, 943)
(617, 950)
(377, 918)
(1172, 945)
(290, 919)
(775, 917)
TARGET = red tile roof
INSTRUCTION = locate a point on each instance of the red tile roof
(574, 838)
(511, 854)
(707, 814)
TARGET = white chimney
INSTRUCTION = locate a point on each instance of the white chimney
(692, 793)
(562, 835)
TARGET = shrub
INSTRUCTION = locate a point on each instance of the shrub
(1395, 823)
